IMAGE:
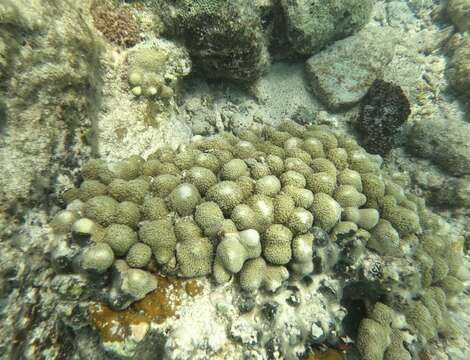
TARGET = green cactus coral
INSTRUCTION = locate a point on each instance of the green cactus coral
(91, 188)
(160, 236)
(154, 208)
(277, 244)
(321, 182)
(209, 217)
(227, 194)
(284, 205)
(128, 214)
(268, 185)
(120, 238)
(102, 209)
(184, 199)
(195, 257)
(201, 178)
(326, 211)
(252, 274)
(139, 255)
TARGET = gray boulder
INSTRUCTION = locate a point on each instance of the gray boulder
(443, 140)
(341, 75)
(313, 24)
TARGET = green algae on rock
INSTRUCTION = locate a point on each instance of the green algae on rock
(311, 25)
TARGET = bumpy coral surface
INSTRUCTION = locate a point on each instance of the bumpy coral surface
(225, 38)
(383, 111)
(118, 26)
(267, 207)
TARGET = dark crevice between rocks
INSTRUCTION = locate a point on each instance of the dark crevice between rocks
(357, 297)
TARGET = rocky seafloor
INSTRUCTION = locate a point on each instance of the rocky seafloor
(274, 99)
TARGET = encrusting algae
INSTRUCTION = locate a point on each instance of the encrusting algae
(157, 306)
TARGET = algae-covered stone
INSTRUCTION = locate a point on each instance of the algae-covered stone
(459, 13)
(444, 141)
(311, 25)
(341, 75)
(225, 39)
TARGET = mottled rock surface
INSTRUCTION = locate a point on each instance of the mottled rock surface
(341, 75)
(458, 69)
(459, 13)
(311, 24)
(445, 141)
